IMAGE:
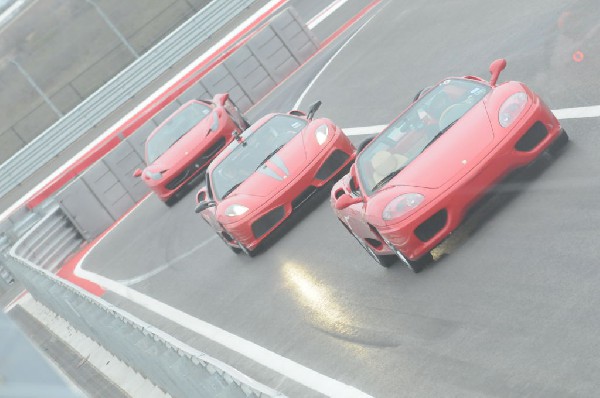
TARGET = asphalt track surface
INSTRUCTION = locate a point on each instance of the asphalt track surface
(510, 307)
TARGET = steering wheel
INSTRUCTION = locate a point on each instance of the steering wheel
(452, 113)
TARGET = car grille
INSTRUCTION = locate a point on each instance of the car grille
(532, 137)
(333, 162)
(268, 221)
(432, 226)
(197, 164)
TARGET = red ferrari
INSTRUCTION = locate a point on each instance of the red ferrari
(268, 172)
(414, 182)
(184, 144)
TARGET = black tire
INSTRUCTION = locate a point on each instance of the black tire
(559, 143)
(171, 201)
(236, 250)
(384, 261)
(417, 266)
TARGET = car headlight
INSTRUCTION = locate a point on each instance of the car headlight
(512, 108)
(401, 205)
(321, 134)
(154, 176)
(215, 121)
(235, 210)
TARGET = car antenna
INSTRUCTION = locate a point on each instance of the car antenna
(238, 137)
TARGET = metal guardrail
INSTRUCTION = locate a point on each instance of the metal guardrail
(117, 91)
(173, 366)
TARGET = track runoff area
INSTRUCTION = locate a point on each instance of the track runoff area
(506, 310)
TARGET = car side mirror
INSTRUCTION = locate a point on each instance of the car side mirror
(137, 173)
(495, 68)
(313, 109)
(201, 195)
(205, 205)
(346, 200)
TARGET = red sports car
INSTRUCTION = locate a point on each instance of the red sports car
(414, 182)
(268, 172)
(184, 144)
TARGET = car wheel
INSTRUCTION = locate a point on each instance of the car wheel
(415, 266)
(559, 143)
(170, 202)
(384, 261)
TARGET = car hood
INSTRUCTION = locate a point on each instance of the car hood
(276, 172)
(188, 146)
(455, 152)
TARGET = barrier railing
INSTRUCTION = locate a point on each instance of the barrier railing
(173, 366)
(117, 91)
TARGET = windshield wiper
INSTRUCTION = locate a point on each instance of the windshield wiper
(178, 139)
(438, 135)
(230, 190)
(386, 179)
(269, 156)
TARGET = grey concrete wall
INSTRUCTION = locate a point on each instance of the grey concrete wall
(69, 51)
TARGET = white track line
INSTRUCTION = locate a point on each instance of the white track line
(312, 82)
(327, 11)
(577, 113)
(286, 367)
(157, 270)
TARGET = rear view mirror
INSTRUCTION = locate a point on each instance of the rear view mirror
(137, 173)
(205, 205)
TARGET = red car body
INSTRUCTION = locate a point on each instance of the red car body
(277, 175)
(182, 146)
(495, 130)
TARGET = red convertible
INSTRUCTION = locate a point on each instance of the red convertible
(268, 172)
(414, 182)
(183, 145)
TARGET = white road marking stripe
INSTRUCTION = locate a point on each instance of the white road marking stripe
(364, 130)
(561, 114)
(286, 367)
(327, 11)
(158, 270)
(577, 113)
(301, 98)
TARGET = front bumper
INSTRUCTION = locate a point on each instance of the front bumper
(250, 231)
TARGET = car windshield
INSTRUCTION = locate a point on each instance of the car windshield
(175, 128)
(259, 146)
(409, 135)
